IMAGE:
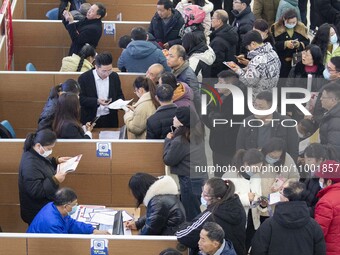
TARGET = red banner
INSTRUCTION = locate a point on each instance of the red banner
(7, 11)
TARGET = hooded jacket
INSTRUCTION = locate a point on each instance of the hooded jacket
(229, 214)
(330, 128)
(183, 96)
(223, 41)
(139, 55)
(263, 70)
(200, 61)
(327, 214)
(289, 231)
(286, 5)
(164, 211)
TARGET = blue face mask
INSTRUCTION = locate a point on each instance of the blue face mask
(204, 202)
(74, 209)
(271, 160)
(326, 74)
(290, 26)
(333, 39)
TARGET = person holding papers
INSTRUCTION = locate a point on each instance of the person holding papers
(38, 176)
(100, 87)
(67, 119)
(164, 210)
(136, 116)
(55, 216)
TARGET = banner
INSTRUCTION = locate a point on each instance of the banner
(7, 11)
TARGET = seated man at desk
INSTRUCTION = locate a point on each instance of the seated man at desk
(55, 218)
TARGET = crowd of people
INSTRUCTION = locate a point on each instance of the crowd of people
(271, 188)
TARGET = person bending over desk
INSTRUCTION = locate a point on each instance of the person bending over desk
(55, 217)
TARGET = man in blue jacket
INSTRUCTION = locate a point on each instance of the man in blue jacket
(55, 218)
(140, 53)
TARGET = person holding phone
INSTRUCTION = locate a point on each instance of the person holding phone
(100, 87)
(67, 119)
(290, 37)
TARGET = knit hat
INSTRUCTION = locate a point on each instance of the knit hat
(183, 115)
(329, 169)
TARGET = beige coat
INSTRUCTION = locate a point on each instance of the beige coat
(290, 173)
(135, 121)
(266, 9)
(70, 64)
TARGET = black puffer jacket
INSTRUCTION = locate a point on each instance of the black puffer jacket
(289, 231)
(312, 188)
(223, 41)
(164, 211)
(230, 215)
(47, 116)
(328, 11)
(36, 184)
(330, 128)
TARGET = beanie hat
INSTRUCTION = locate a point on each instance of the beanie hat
(183, 115)
(329, 169)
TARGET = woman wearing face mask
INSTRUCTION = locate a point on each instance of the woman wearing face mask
(223, 207)
(278, 170)
(136, 115)
(248, 187)
(311, 64)
(290, 36)
(328, 40)
(315, 154)
(38, 176)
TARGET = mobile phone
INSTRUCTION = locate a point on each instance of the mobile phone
(230, 64)
(95, 120)
(68, 6)
(108, 100)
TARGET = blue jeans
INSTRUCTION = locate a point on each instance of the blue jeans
(191, 190)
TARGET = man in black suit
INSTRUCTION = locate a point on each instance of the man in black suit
(86, 31)
(100, 87)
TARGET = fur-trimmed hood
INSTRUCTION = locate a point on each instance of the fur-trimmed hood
(299, 28)
(164, 186)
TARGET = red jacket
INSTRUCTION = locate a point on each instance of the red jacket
(327, 214)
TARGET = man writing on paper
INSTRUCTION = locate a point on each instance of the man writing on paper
(100, 87)
(55, 216)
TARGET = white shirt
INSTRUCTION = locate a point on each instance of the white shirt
(102, 87)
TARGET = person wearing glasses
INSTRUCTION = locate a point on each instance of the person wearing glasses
(55, 217)
(99, 87)
(330, 122)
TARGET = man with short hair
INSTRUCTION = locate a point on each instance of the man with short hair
(154, 72)
(99, 87)
(331, 73)
(212, 241)
(327, 209)
(244, 19)
(330, 122)
(180, 68)
(159, 124)
(82, 12)
(256, 137)
(86, 31)
(140, 53)
(166, 24)
(55, 218)
(263, 70)
(291, 230)
(223, 41)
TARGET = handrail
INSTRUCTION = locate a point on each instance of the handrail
(106, 21)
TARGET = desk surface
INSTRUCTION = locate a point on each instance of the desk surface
(96, 131)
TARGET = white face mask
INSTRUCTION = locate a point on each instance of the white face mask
(333, 39)
(321, 184)
(46, 153)
(204, 202)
